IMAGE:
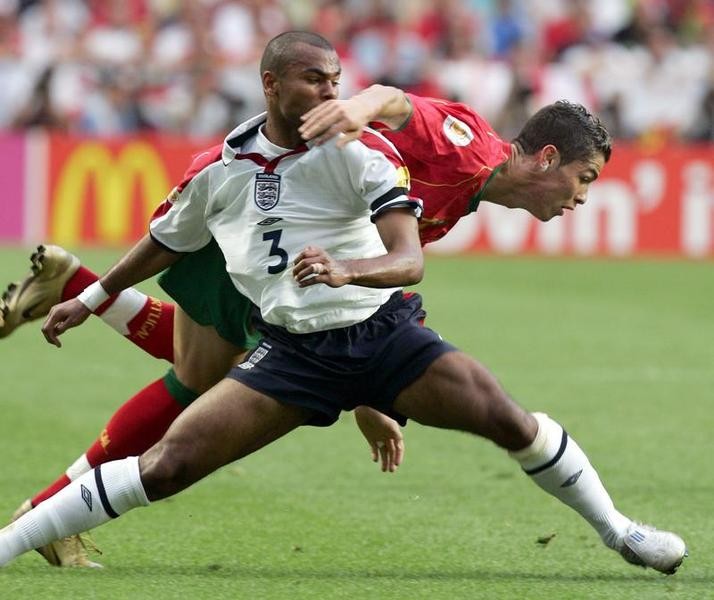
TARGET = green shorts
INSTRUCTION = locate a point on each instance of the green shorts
(200, 285)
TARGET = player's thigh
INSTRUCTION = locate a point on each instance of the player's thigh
(457, 392)
(201, 356)
(226, 423)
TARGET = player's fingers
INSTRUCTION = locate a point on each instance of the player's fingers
(399, 452)
(391, 466)
(328, 134)
(382, 455)
(313, 275)
(307, 253)
(347, 137)
(304, 263)
(375, 453)
(318, 110)
(308, 267)
(316, 122)
(49, 330)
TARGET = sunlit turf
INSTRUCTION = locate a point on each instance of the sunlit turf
(621, 352)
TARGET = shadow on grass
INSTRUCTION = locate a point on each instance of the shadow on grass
(299, 573)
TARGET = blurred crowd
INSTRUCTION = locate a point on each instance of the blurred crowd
(111, 67)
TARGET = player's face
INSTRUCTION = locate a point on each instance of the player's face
(310, 80)
(564, 187)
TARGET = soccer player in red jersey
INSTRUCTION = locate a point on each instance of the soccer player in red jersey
(456, 160)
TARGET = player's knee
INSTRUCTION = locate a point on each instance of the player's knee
(165, 470)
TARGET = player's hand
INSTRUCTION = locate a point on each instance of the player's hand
(63, 317)
(313, 265)
(383, 435)
(335, 117)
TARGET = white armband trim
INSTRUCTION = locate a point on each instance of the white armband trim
(93, 296)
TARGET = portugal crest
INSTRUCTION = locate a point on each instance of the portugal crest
(457, 131)
(267, 190)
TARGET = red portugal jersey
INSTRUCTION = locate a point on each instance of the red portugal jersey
(451, 153)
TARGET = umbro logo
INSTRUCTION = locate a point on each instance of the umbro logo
(572, 479)
(270, 220)
(87, 497)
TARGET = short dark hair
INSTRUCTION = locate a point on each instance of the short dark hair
(570, 127)
(279, 53)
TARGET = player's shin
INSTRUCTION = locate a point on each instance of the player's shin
(557, 464)
(93, 499)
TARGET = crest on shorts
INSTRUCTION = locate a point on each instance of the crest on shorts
(267, 190)
(457, 131)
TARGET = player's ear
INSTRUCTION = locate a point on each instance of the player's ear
(548, 157)
(270, 82)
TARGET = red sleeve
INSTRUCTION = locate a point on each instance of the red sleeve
(198, 162)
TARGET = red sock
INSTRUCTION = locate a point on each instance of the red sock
(137, 425)
(152, 329)
(50, 491)
(80, 280)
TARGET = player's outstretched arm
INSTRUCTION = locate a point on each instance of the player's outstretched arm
(388, 105)
(144, 260)
(383, 435)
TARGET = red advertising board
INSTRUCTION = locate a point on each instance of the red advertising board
(103, 192)
(653, 203)
(92, 191)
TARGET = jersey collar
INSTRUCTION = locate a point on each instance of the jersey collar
(235, 139)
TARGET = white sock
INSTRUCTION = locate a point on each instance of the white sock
(558, 465)
(94, 498)
(126, 306)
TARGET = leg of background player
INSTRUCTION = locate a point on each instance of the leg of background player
(58, 275)
(202, 359)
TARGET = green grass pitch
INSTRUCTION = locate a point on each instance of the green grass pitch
(621, 352)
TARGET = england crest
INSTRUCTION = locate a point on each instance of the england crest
(267, 190)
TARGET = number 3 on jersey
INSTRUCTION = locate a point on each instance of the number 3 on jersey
(276, 250)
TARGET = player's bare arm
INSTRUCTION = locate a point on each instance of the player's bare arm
(144, 260)
(388, 105)
(402, 265)
(383, 435)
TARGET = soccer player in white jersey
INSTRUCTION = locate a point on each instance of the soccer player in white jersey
(348, 342)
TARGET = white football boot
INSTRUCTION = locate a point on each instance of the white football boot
(67, 552)
(645, 546)
(32, 298)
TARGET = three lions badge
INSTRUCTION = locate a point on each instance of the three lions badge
(267, 190)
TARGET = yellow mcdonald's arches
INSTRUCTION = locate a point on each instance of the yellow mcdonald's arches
(114, 181)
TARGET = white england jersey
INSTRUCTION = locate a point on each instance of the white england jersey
(264, 204)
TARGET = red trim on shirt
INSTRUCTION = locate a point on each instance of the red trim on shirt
(373, 141)
(199, 162)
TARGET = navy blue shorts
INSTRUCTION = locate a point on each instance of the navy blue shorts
(368, 363)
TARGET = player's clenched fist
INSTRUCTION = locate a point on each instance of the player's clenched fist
(314, 265)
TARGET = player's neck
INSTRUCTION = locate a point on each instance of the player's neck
(281, 134)
(511, 185)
